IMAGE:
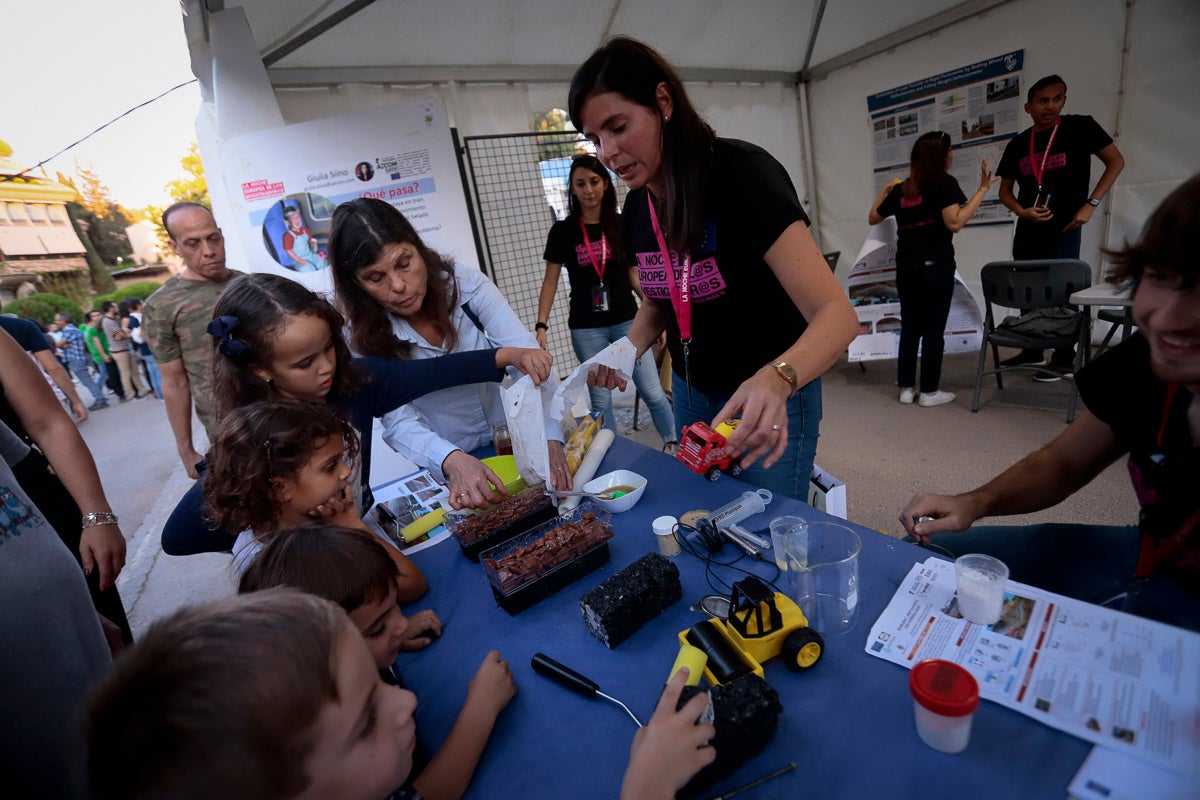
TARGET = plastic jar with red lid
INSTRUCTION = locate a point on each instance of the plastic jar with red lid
(945, 697)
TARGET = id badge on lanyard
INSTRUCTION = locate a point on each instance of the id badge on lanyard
(600, 301)
(681, 294)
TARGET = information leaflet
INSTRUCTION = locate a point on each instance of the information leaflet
(1130, 684)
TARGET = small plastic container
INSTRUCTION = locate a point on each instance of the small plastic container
(980, 587)
(535, 565)
(945, 697)
(664, 533)
(477, 530)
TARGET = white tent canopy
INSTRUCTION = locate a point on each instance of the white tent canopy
(791, 75)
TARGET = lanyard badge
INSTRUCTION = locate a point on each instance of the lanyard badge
(599, 263)
(681, 294)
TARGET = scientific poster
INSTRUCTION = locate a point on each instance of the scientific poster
(979, 106)
(871, 287)
(284, 184)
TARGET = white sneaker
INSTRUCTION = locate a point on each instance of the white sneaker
(938, 398)
(906, 395)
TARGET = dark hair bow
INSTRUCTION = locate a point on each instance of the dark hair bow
(222, 328)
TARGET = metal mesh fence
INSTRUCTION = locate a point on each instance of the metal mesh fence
(520, 183)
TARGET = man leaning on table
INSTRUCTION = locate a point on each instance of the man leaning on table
(1143, 401)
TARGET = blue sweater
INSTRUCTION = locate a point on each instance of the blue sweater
(389, 384)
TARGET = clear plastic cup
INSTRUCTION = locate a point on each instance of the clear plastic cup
(980, 592)
(945, 697)
(781, 528)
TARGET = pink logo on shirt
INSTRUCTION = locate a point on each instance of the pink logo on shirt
(705, 280)
(1055, 161)
(584, 258)
(909, 202)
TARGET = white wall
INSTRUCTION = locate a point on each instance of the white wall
(1080, 40)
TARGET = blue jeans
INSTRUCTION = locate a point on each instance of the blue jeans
(790, 474)
(155, 375)
(1092, 563)
(80, 370)
(590, 341)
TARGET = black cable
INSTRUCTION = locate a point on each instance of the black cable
(709, 557)
(93, 133)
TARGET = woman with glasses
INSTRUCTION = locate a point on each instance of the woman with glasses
(929, 209)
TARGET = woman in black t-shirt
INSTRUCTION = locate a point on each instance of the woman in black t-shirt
(587, 243)
(928, 210)
(726, 261)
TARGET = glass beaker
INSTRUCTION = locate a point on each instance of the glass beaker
(822, 559)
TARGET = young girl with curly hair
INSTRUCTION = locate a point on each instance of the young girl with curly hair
(274, 464)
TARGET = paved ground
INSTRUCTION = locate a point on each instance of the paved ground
(882, 451)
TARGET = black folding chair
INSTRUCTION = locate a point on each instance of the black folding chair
(1028, 286)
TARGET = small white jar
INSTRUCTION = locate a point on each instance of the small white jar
(664, 532)
(945, 697)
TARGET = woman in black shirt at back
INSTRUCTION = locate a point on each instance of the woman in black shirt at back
(928, 207)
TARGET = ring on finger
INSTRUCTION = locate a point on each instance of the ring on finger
(775, 428)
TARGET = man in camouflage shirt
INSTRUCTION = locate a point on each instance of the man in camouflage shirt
(175, 321)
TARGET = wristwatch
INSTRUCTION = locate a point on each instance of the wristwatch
(541, 326)
(788, 373)
(1093, 202)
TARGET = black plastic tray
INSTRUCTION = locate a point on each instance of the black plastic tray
(550, 582)
(510, 531)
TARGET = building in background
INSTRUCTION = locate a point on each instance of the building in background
(38, 244)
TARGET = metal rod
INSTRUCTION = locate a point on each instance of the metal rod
(752, 784)
(622, 705)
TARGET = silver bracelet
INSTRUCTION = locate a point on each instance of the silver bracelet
(94, 518)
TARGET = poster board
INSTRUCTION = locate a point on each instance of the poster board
(871, 286)
(978, 106)
(284, 182)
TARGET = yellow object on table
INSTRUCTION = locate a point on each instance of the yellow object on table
(581, 439)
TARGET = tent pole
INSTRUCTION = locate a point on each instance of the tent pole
(1126, 46)
(810, 175)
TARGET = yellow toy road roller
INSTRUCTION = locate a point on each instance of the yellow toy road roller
(759, 625)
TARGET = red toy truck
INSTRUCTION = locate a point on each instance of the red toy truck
(700, 449)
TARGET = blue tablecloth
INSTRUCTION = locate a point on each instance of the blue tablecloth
(847, 724)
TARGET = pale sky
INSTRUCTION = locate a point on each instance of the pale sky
(72, 65)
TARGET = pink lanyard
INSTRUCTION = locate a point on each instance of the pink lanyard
(681, 297)
(592, 253)
(1038, 172)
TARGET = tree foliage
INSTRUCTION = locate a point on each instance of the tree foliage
(42, 307)
(549, 147)
(102, 281)
(193, 186)
(106, 220)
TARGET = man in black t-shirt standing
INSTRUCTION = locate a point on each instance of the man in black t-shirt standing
(1050, 164)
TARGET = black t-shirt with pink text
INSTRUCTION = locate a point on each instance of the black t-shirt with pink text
(742, 319)
(922, 234)
(565, 245)
(1067, 176)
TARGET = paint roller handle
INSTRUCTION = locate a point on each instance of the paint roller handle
(563, 675)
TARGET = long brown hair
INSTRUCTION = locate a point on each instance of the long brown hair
(928, 161)
(361, 229)
(610, 221)
(634, 70)
(263, 305)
